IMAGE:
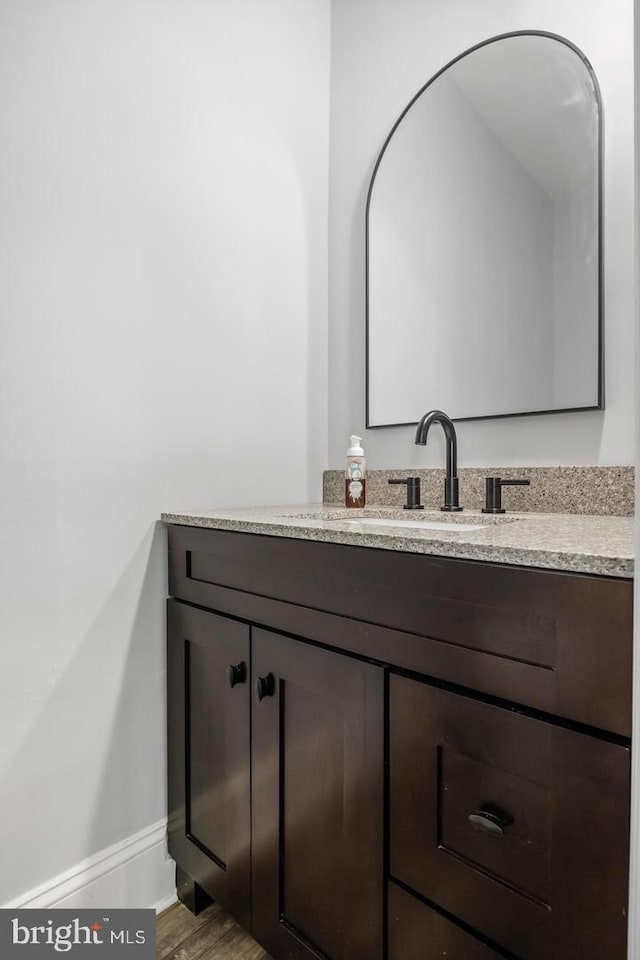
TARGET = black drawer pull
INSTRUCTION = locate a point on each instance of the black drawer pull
(265, 686)
(237, 673)
(490, 820)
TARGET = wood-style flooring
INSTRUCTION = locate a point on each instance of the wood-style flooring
(212, 935)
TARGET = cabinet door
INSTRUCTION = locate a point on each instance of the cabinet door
(317, 801)
(517, 826)
(209, 753)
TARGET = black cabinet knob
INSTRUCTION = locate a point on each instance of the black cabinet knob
(490, 820)
(265, 686)
(237, 673)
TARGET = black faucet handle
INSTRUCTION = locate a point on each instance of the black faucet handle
(493, 489)
(413, 492)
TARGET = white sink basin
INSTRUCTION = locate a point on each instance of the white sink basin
(414, 524)
(381, 517)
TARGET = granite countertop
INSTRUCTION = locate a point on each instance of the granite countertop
(576, 543)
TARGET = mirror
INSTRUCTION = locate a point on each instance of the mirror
(483, 240)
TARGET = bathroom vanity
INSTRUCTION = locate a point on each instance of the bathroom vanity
(389, 745)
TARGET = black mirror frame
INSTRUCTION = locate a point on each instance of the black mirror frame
(527, 413)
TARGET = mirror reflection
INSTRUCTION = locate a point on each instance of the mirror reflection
(483, 240)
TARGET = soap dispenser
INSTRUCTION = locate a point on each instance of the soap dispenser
(355, 474)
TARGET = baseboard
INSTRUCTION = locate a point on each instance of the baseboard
(136, 872)
(166, 903)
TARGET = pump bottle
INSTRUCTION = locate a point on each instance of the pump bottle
(355, 474)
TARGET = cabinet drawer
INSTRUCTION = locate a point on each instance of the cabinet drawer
(418, 933)
(517, 826)
(558, 642)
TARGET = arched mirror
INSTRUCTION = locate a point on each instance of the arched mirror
(483, 240)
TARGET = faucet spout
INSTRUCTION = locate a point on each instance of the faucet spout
(451, 498)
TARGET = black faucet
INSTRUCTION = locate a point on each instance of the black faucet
(451, 501)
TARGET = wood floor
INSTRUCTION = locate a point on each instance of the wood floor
(212, 935)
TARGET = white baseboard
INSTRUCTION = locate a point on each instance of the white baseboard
(136, 872)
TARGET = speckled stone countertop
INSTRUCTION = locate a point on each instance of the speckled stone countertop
(587, 490)
(576, 543)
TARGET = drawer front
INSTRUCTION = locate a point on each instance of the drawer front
(418, 933)
(518, 827)
(558, 642)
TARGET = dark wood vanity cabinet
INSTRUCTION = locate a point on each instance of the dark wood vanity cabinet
(276, 778)
(380, 756)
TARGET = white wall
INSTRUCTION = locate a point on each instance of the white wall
(383, 51)
(163, 188)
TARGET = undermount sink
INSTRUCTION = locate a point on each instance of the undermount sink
(381, 518)
(452, 527)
